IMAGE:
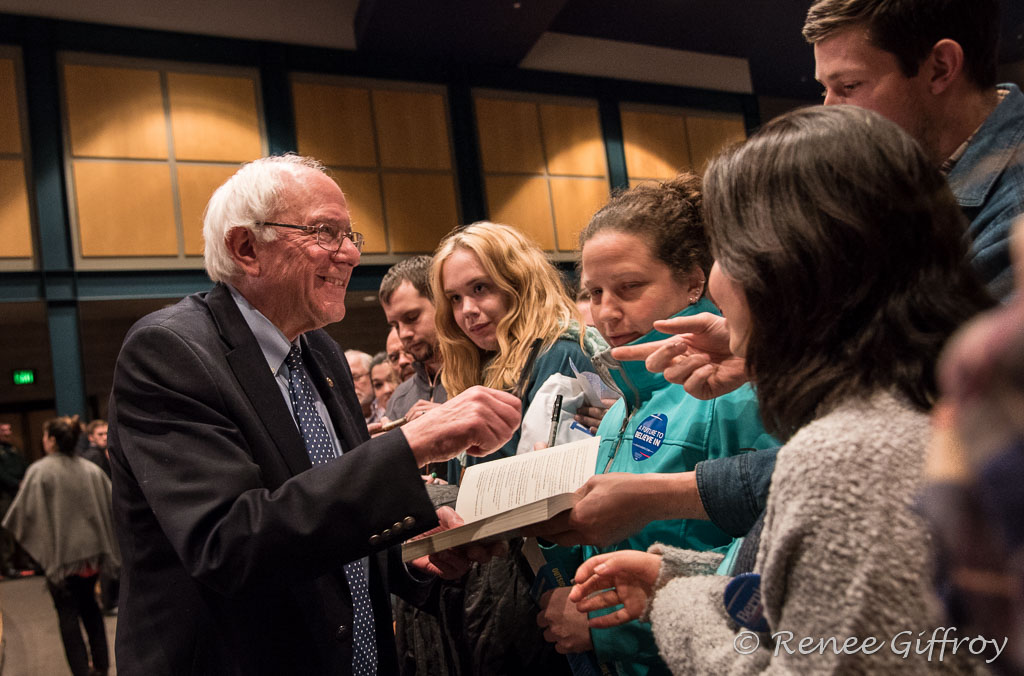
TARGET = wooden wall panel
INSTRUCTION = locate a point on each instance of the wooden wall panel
(522, 201)
(575, 201)
(196, 184)
(362, 192)
(10, 125)
(15, 223)
(115, 112)
(214, 118)
(421, 210)
(125, 209)
(572, 140)
(708, 135)
(655, 144)
(634, 182)
(412, 130)
(509, 133)
(334, 125)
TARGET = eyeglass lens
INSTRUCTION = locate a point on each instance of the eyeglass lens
(332, 240)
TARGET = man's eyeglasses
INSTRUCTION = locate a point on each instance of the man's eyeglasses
(327, 237)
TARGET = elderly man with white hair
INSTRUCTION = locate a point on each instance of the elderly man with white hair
(259, 523)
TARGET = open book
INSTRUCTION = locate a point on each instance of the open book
(498, 497)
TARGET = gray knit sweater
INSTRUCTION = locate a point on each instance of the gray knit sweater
(842, 555)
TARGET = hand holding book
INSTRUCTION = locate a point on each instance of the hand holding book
(452, 564)
(497, 498)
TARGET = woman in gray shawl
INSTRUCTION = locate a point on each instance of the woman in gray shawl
(62, 517)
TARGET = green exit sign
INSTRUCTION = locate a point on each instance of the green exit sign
(24, 376)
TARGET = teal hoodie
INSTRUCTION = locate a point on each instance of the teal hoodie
(632, 441)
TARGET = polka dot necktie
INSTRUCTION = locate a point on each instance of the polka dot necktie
(321, 450)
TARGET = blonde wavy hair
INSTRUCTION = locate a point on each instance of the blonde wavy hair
(538, 307)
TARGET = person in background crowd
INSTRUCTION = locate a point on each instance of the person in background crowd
(583, 301)
(840, 313)
(401, 361)
(657, 430)
(406, 298)
(258, 520)
(12, 470)
(384, 381)
(930, 67)
(62, 517)
(359, 365)
(96, 451)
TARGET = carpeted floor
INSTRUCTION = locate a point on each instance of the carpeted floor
(32, 645)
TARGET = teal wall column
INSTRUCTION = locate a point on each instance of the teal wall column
(615, 150)
(54, 245)
(66, 353)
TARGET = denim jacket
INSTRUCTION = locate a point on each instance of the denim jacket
(734, 489)
(988, 182)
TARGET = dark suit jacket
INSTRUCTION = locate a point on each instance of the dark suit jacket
(232, 543)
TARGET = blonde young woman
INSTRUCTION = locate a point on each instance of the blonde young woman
(494, 294)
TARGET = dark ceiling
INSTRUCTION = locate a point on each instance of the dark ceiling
(502, 32)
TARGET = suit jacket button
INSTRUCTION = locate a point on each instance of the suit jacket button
(397, 528)
(376, 540)
(344, 633)
(386, 533)
(409, 521)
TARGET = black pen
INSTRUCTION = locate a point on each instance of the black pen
(524, 377)
(556, 413)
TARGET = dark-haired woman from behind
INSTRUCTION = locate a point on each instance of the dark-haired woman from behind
(841, 270)
(62, 517)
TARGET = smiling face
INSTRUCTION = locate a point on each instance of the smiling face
(413, 317)
(477, 304)
(856, 72)
(295, 283)
(629, 287)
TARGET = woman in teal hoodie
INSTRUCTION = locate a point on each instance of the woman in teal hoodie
(646, 257)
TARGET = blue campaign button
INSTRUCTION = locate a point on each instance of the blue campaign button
(743, 601)
(648, 436)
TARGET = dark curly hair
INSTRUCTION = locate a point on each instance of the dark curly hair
(667, 214)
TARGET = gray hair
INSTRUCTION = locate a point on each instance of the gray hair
(363, 358)
(246, 200)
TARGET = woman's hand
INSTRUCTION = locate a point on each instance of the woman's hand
(616, 505)
(698, 357)
(606, 580)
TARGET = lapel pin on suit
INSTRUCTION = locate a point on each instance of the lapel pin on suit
(330, 383)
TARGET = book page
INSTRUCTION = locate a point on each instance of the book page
(493, 487)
